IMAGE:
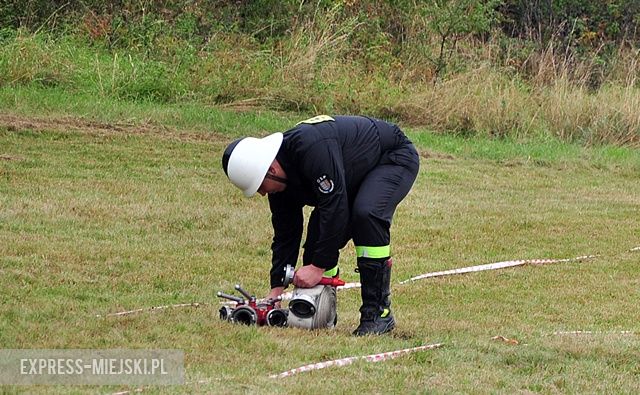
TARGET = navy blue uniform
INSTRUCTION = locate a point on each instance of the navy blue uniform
(355, 171)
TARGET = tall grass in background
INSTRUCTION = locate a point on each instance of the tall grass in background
(494, 87)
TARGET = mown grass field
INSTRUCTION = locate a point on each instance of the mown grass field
(107, 207)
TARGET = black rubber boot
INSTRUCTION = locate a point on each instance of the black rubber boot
(375, 314)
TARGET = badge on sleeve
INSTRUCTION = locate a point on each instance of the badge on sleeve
(325, 184)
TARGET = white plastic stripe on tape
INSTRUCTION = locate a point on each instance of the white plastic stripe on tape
(349, 360)
(337, 362)
(495, 266)
(137, 390)
(479, 268)
(141, 389)
(155, 308)
(595, 333)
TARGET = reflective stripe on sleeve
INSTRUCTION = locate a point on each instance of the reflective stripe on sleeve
(331, 272)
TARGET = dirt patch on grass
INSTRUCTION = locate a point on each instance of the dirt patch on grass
(435, 155)
(5, 157)
(18, 123)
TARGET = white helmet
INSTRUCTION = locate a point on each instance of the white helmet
(247, 160)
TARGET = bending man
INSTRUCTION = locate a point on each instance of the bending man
(355, 171)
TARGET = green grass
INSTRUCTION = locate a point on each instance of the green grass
(186, 117)
(118, 206)
(317, 69)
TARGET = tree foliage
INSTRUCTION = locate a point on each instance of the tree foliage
(384, 33)
(592, 21)
(452, 19)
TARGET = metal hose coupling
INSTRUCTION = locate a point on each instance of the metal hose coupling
(225, 313)
(244, 315)
(313, 308)
(277, 317)
(303, 305)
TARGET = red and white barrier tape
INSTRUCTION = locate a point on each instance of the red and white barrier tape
(470, 269)
(502, 265)
(154, 308)
(321, 365)
(141, 389)
(137, 390)
(495, 266)
(595, 333)
(349, 360)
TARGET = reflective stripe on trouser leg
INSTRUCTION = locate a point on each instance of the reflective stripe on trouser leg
(380, 192)
(374, 252)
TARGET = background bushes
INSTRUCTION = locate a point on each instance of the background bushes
(565, 68)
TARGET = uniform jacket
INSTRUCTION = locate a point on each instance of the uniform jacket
(325, 160)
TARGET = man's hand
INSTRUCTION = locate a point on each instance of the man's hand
(308, 276)
(275, 292)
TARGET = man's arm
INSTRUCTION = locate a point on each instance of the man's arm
(287, 221)
(323, 166)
